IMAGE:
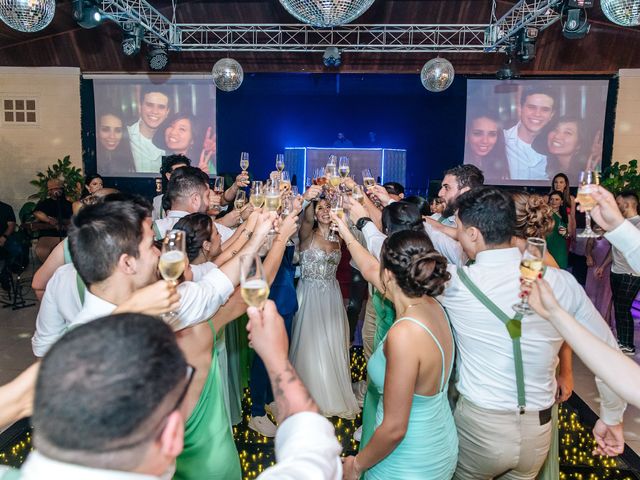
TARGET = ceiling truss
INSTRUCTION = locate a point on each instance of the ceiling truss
(488, 37)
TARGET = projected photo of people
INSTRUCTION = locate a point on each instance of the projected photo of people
(153, 120)
(547, 126)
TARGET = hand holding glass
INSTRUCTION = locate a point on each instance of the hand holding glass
(172, 261)
(253, 282)
(531, 267)
(589, 179)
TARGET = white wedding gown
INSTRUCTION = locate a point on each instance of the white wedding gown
(320, 340)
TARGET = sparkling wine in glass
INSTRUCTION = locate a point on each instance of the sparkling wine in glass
(244, 161)
(333, 160)
(253, 282)
(257, 195)
(367, 178)
(240, 200)
(285, 182)
(287, 208)
(589, 180)
(280, 162)
(343, 167)
(337, 207)
(531, 266)
(272, 201)
(358, 194)
(172, 262)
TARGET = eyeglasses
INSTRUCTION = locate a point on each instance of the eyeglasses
(191, 370)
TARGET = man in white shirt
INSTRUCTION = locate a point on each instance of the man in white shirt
(537, 107)
(169, 164)
(154, 109)
(489, 416)
(625, 281)
(113, 250)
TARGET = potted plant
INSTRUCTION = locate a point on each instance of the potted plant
(618, 178)
(61, 170)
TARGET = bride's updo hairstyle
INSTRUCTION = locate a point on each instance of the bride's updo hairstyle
(417, 267)
(534, 218)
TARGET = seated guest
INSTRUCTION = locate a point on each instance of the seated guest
(109, 398)
(499, 409)
(9, 246)
(56, 211)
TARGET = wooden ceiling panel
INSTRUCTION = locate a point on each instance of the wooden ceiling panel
(606, 49)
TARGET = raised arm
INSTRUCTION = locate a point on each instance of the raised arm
(16, 397)
(47, 269)
(306, 228)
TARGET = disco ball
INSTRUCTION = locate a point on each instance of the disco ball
(227, 74)
(622, 12)
(437, 74)
(326, 13)
(27, 15)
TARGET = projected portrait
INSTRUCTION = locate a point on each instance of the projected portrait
(547, 127)
(153, 120)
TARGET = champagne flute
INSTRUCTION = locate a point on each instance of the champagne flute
(358, 194)
(218, 185)
(294, 191)
(589, 179)
(337, 208)
(287, 208)
(240, 201)
(272, 201)
(367, 178)
(285, 182)
(244, 161)
(253, 282)
(333, 160)
(257, 195)
(343, 167)
(172, 262)
(280, 162)
(531, 266)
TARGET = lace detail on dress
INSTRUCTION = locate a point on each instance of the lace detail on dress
(316, 264)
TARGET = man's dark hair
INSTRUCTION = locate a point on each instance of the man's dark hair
(168, 161)
(394, 188)
(491, 211)
(400, 216)
(147, 89)
(629, 195)
(537, 90)
(103, 389)
(184, 182)
(420, 202)
(101, 233)
(467, 176)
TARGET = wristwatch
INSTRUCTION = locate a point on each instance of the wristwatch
(362, 222)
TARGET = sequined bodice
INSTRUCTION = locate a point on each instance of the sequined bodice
(316, 264)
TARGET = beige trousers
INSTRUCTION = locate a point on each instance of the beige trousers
(501, 445)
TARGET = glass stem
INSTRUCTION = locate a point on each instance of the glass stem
(587, 220)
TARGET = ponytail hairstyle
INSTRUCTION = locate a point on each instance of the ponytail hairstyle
(418, 268)
(198, 228)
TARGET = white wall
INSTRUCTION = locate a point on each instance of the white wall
(626, 140)
(27, 149)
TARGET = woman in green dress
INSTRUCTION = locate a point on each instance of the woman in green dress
(557, 239)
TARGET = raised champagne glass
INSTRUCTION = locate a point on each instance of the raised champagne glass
(244, 161)
(253, 282)
(285, 182)
(172, 262)
(257, 195)
(280, 162)
(343, 167)
(333, 160)
(589, 180)
(337, 208)
(272, 201)
(531, 266)
(358, 194)
(367, 178)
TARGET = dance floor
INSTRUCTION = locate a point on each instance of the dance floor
(257, 453)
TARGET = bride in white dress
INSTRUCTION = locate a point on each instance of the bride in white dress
(320, 340)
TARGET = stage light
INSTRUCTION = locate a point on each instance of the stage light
(158, 58)
(575, 24)
(86, 13)
(331, 57)
(622, 12)
(326, 13)
(525, 49)
(131, 39)
(27, 15)
(227, 74)
(508, 70)
(437, 74)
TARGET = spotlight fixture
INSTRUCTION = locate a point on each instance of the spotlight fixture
(508, 70)
(158, 58)
(331, 57)
(131, 39)
(86, 13)
(525, 47)
(575, 24)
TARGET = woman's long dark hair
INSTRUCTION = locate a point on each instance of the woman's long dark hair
(581, 155)
(118, 161)
(562, 211)
(87, 180)
(494, 165)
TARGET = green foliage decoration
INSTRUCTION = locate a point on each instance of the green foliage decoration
(61, 170)
(618, 178)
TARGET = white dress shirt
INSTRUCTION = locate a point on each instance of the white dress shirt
(225, 232)
(163, 225)
(374, 239)
(158, 211)
(626, 238)
(60, 305)
(198, 301)
(485, 352)
(524, 162)
(146, 156)
(445, 245)
(39, 467)
(620, 265)
(306, 447)
(200, 270)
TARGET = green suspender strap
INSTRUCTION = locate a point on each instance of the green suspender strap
(514, 327)
(156, 232)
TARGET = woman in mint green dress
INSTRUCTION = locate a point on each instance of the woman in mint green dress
(415, 435)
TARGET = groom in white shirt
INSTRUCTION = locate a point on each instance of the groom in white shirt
(489, 416)
(154, 109)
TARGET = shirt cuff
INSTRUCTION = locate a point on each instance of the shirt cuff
(305, 432)
(370, 230)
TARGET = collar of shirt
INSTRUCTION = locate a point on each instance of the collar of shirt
(38, 466)
(134, 130)
(498, 256)
(177, 213)
(94, 307)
